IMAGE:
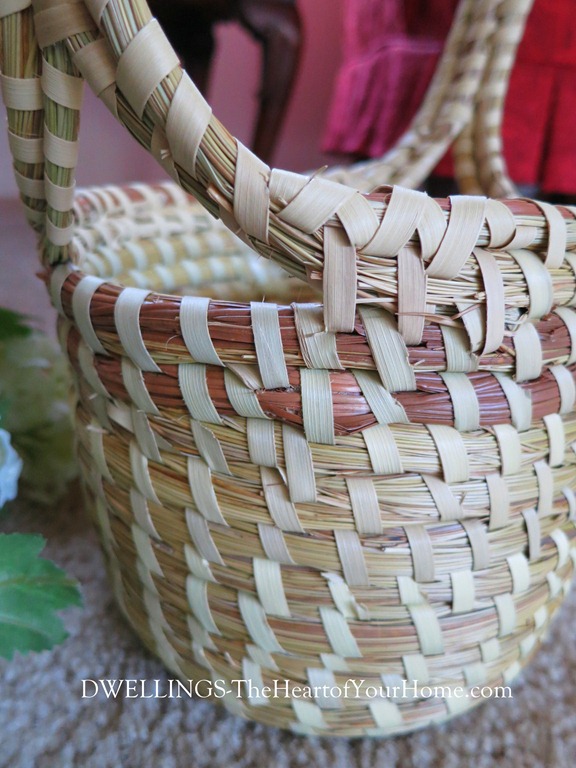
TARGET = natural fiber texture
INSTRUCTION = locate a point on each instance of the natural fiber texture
(376, 487)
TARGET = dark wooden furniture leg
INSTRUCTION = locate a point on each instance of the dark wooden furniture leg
(275, 24)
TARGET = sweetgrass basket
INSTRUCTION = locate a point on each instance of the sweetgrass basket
(369, 476)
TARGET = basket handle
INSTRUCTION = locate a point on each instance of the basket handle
(314, 227)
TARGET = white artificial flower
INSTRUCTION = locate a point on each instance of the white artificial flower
(10, 468)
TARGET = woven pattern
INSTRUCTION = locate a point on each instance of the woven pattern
(368, 475)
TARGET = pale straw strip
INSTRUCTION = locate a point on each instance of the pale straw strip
(528, 350)
(261, 442)
(146, 61)
(145, 551)
(57, 279)
(427, 628)
(251, 194)
(339, 281)
(133, 380)
(317, 345)
(568, 317)
(557, 235)
(274, 544)
(9, 7)
(299, 465)
(538, 282)
(200, 481)
(334, 662)
(81, 301)
(95, 435)
(570, 497)
(415, 667)
(479, 543)
(457, 346)
(490, 650)
(383, 451)
(209, 448)
(194, 388)
(365, 506)
(571, 259)
(253, 683)
(241, 397)
(317, 407)
(562, 545)
(202, 538)
(197, 593)
(388, 349)
(463, 591)
(59, 198)
(524, 237)
(554, 584)
(386, 715)
(29, 151)
(409, 591)
(262, 657)
(97, 66)
(59, 235)
(198, 565)
(60, 87)
(282, 510)
(194, 327)
(343, 598)
(145, 436)
(254, 618)
(495, 300)
(309, 716)
(499, 501)
(187, 121)
(451, 451)
(431, 228)
(321, 682)
(61, 22)
(545, 478)
(510, 448)
(399, 222)
(421, 551)
(339, 634)
(506, 610)
(86, 361)
(352, 558)
(412, 287)
(60, 151)
(519, 402)
(519, 571)
(464, 226)
(127, 321)
(315, 203)
(268, 343)
(141, 474)
(269, 586)
(385, 408)
(96, 8)
(358, 220)
(475, 674)
(446, 503)
(24, 94)
(139, 506)
(501, 224)
(464, 401)
(29, 187)
(556, 438)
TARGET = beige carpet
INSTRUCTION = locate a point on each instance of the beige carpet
(44, 722)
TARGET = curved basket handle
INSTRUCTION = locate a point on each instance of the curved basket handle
(312, 226)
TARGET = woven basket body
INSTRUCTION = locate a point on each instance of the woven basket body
(307, 502)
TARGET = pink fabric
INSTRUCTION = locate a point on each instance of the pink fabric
(389, 61)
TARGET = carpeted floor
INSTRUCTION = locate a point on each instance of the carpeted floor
(45, 723)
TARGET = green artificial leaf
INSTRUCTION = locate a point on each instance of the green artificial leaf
(13, 325)
(32, 589)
